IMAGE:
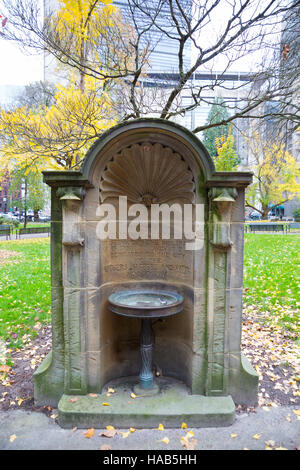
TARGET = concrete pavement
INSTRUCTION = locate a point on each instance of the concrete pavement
(276, 428)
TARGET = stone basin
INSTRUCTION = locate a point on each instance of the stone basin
(145, 303)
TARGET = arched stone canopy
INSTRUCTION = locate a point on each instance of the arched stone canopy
(151, 130)
(149, 161)
(139, 130)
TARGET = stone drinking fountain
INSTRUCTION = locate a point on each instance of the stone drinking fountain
(108, 293)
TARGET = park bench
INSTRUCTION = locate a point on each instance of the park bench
(34, 230)
(267, 227)
(294, 225)
(5, 230)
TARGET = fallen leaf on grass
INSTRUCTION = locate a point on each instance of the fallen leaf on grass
(12, 438)
(4, 368)
(20, 401)
(89, 433)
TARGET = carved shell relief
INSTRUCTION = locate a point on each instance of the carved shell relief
(148, 174)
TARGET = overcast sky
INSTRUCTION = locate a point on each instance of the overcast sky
(18, 68)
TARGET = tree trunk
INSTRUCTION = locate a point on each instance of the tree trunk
(25, 205)
(265, 211)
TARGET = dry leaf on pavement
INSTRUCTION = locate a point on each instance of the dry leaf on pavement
(89, 433)
(105, 447)
(165, 440)
(189, 444)
(109, 433)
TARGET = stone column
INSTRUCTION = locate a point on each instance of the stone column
(49, 377)
(74, 328)
(220, 205)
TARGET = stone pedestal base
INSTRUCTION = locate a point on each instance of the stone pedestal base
(144, 392)
(171, 406)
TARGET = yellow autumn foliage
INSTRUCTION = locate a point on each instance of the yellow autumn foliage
(86, 19)
(275, 174)
(92, 37)
(59, 136)
(97, 51)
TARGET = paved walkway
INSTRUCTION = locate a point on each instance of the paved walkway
(278, 427)
(30, 235)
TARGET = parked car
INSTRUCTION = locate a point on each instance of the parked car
(255, 216)
(10, 216)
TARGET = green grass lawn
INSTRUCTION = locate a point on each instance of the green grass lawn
(24, 288)
(271, 277)
(34, 224)
(271, 265)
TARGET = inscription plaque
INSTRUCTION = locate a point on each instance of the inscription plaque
(146, 259)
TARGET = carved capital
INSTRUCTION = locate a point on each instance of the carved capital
(220, 215)
(71, 198)
(73, 193)
(222, 197)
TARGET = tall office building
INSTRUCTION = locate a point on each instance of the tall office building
(164, 58)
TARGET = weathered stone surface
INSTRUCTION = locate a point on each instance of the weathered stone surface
(170, 407)
(243, 383)
(75, 360)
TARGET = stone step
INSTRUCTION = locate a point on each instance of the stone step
(172, 405)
